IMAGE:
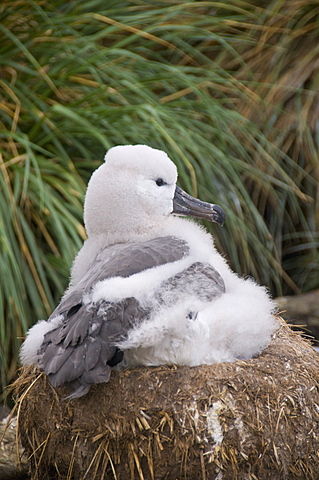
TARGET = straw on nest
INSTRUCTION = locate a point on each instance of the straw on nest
(242, 420)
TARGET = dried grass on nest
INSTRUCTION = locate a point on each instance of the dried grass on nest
(242, 420)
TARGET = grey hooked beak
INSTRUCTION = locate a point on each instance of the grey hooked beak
(188, 206)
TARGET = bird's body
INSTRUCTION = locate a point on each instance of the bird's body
(147, 287)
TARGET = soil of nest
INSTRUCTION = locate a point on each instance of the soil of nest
(257, 419)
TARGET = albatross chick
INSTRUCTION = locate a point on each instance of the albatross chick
(148, 287)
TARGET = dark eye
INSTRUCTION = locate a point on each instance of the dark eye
(160, 182)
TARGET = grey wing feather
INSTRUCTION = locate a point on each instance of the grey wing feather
(124, 261)
(85, 358)
(82, 350)
(200, 279)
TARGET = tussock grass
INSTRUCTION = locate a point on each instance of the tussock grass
(229, 92)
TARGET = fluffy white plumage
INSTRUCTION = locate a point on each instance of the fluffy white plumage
(126, 204)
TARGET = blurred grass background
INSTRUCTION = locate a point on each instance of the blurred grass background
(229, 91)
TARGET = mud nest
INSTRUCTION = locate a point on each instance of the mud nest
(257, 419)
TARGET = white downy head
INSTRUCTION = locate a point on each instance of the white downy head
(132, 191)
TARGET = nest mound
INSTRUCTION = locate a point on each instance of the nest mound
(257, 419)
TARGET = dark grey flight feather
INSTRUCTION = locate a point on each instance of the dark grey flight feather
(83, 349)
